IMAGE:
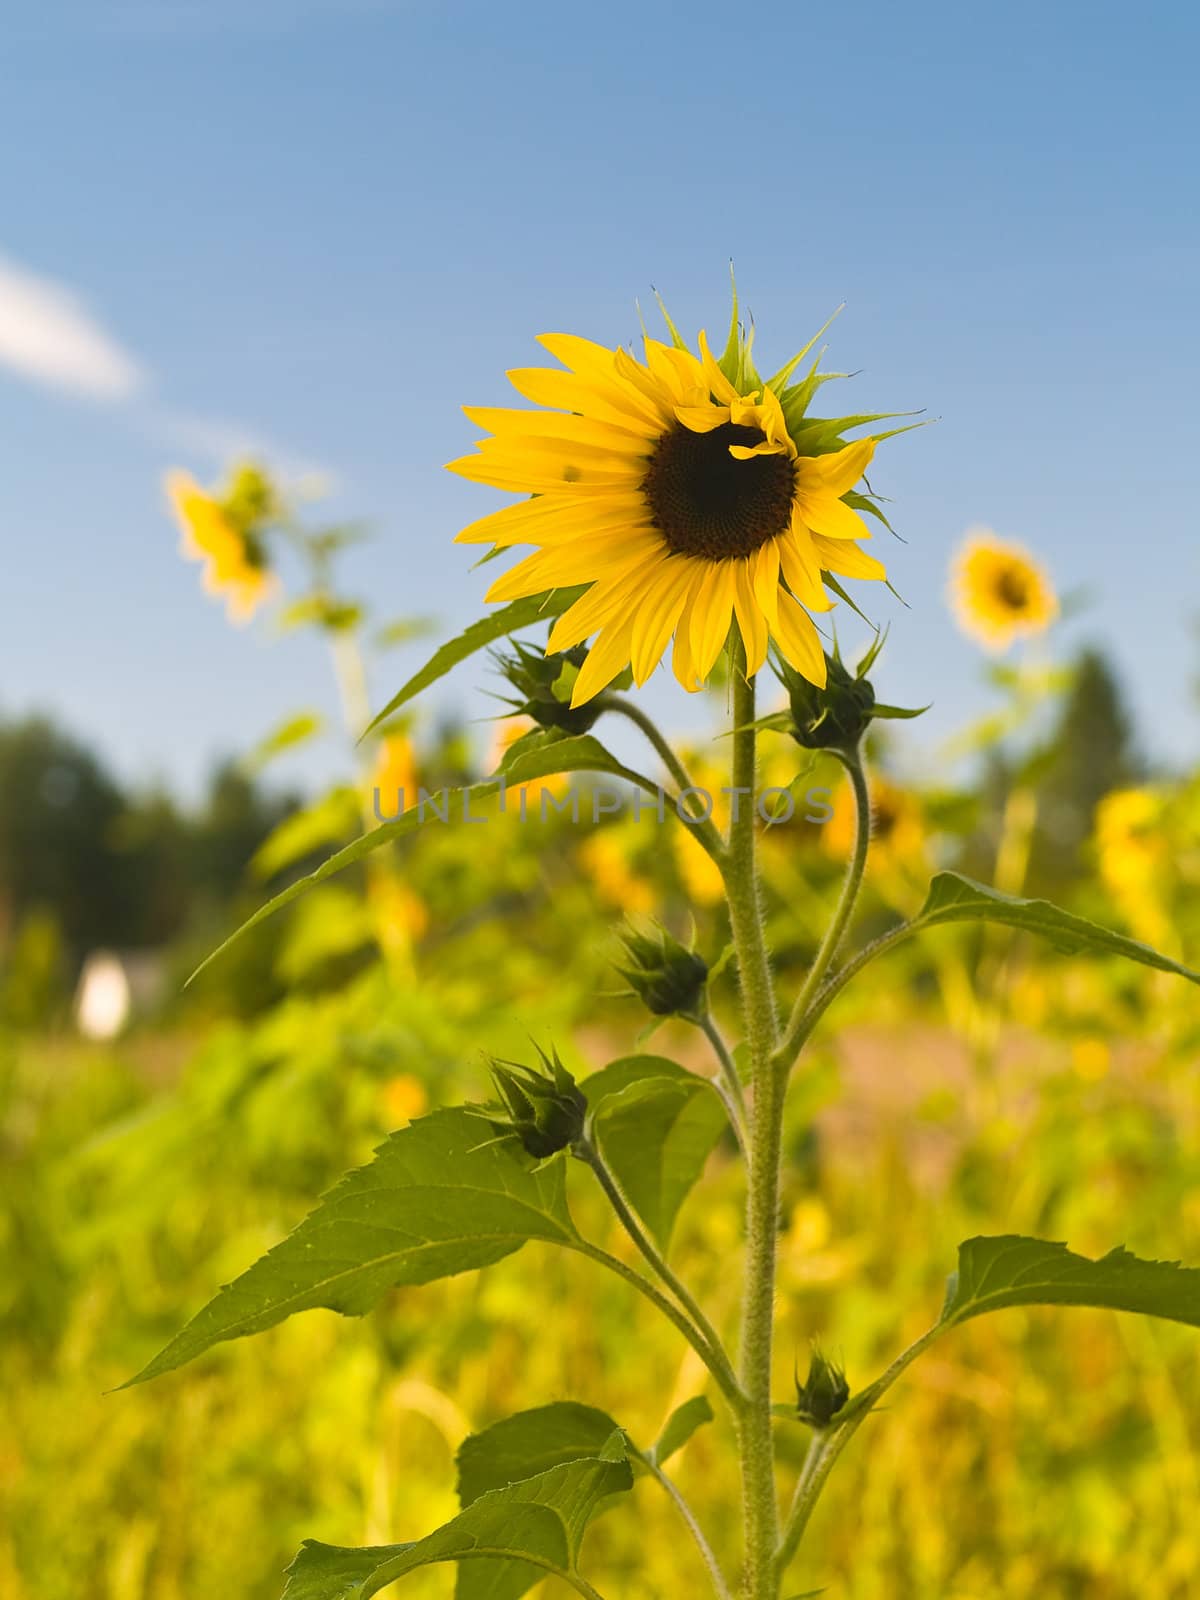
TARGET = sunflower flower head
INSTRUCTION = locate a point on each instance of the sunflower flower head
(687, 495)
(543, 1105)
(999, 592)
(225, 530)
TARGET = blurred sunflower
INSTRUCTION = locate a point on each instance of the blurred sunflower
(394, 776)
(1130, 842)
(684, 492)
(999, 592)
(897, 825)
(606, 858)
(225, 534)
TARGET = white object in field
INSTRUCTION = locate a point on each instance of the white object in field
(103, 999)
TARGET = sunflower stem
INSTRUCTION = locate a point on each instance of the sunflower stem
(766, 1137)
(727, 1083)
(588, 1153)
(706, 830)
(799, 1024)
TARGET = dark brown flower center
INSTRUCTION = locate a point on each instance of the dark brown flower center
(1012, 587)
(707, 503)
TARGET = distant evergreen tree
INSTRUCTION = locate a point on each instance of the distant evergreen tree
(1091, 751)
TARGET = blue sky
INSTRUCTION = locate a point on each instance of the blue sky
(319, 228)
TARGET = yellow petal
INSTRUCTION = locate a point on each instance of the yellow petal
(551, 518)
(607, 402)
(744, 452)
(718, 383)
(515, 422)
(657, 614)
(838, 471)
(602, 601)
(752, 624)
(608, 656)
(825, 514)
(711, 612)
(797, 636)
(583, 356)
(846, 559)
(703, 418)
(764, 574)
(579, 562)
(802, 568)
(683, 662)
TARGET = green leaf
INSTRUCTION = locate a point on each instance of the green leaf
(528, 1443)
(656, 1124)
(1012, 1271)
(286, 736)
(679, 1428)
(508, 619)
(505, 1541)
(569, 754)
(898, 713)
(331, 818)
(953, 898)
(442, 1196)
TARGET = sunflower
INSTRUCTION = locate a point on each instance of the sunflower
(221, 534)
(684, 493)
(999, 592)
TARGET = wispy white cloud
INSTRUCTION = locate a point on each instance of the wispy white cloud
(47, 333)
(49, 336)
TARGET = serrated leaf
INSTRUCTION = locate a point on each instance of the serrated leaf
(679, 1428)
(571, 754)
(954, 898)
(496, 625)
(530, 1442)
(504, 1542)
(1015, 1271)
(657, 1125)
(441, 1197)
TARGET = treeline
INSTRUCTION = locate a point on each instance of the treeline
(108, 866)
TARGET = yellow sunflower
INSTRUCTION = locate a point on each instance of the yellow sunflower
(685, 493)
(234, 561)
(999, 592)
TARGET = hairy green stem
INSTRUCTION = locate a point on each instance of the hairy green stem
(713, 1357)
(797, 1031)
(766, 1137)
(693, 1525)
(727, 1083)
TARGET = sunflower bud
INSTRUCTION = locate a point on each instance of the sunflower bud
(835, 717)
(666, 975)
(824, 1392)
(543, 684)
(543, 1105)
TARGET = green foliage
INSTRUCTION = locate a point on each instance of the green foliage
(496, 625)
(440, 1198)
(953, 898)
(1012, 1271)
(529, 1443)
(506, 1539)
(551, 756)
(679, 1428)
(657, 1125)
